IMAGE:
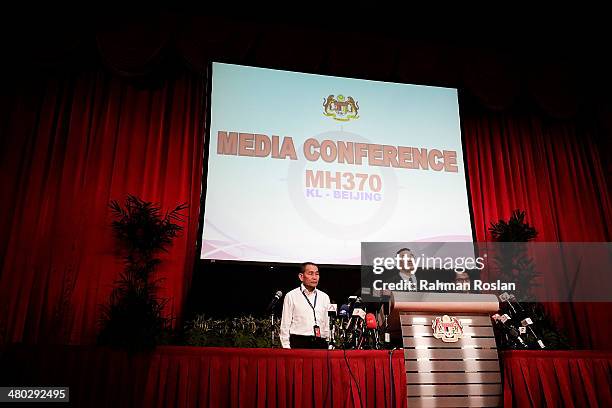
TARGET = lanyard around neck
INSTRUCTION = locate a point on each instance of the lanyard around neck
(311, 305)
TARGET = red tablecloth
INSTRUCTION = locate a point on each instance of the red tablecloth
(209, 377)
(219, 377)
(557, 379)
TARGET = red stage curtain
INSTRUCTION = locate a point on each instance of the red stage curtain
(68, 146)
(210, 377)
(557, 378)
(551, 169)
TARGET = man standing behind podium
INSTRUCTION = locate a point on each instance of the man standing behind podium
(305, 323)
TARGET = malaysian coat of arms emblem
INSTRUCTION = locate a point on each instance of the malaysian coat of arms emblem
(447, 328)
(341, 108)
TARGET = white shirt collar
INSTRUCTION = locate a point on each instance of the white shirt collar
(407, 276)
(306, 292)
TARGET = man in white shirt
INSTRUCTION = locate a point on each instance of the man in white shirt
(305, 323)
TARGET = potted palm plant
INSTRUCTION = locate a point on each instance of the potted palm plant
(134, 318)
(515, 265)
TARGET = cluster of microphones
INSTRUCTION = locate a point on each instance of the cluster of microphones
(351, 327)
(515, 326)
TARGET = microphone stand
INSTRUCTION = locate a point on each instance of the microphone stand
(271, 308)
(331, 336)
(272, 326)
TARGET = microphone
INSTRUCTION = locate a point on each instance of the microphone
(372, 338)
(358, 313)
(526, 324)
(503, 321)
(357, 308)
(332, 310)
(514, 304)
(505, 297)
(344, 312)
(370, 321)
(515, 300)
(354, 327)
(275, 300)
(354, 302)
(353, 299)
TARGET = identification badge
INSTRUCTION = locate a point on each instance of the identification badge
(317, 331)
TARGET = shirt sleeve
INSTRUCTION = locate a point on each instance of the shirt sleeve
(286, 321)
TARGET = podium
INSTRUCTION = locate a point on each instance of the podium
(450, 361)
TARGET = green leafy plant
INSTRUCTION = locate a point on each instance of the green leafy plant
(134, 316)
(513, 230)
(515, 265)
(511, 256)
(243, 331)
